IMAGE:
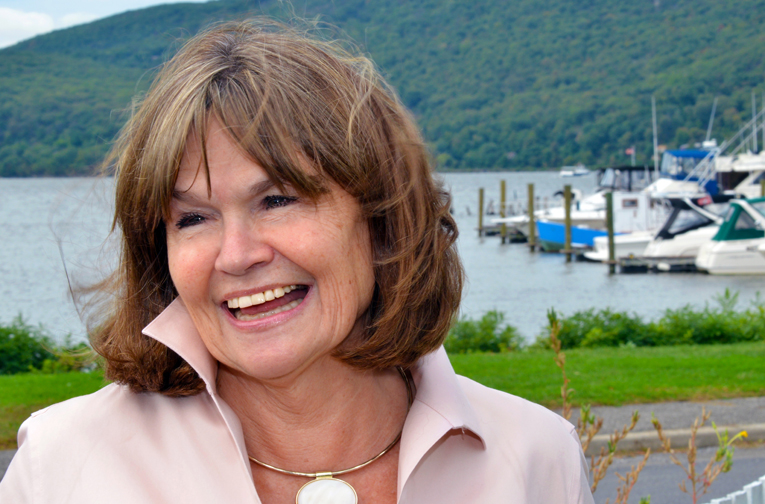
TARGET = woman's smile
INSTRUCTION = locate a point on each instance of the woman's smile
(266, 303)
(273, 281)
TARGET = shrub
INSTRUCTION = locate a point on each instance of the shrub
(25, 348)
(489, 334)
(681, 326)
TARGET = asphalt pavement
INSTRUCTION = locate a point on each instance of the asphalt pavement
(660, 478)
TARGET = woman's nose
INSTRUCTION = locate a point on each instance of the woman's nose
(241, 249)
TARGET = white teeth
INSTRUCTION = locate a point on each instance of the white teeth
(260, 297)
(288, 306)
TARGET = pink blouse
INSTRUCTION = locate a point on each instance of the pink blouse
(462, 443)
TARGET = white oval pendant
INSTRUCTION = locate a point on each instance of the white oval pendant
(326, 491)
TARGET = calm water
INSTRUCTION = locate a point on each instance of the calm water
(53, 226)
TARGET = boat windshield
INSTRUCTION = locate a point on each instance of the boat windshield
(718, 208)
(745, 221)
(687, 220)
(625, 179)
(760, 207)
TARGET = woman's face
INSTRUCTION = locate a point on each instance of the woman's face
(273, 282)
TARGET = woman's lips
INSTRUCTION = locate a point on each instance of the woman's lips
(267, 303)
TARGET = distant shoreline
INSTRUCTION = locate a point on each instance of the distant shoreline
(440, 170)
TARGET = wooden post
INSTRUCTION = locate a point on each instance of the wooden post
(480, 212)
(532, 238)
(567, 208)
(610, 227)
(502, 212)
(762, 187)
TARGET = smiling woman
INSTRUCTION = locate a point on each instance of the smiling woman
(287, 276)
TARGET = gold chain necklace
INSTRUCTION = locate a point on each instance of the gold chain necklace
(325, 488)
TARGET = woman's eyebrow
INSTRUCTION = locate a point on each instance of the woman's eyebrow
(261, 187)
(257, 188)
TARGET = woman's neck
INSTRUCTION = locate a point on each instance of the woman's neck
(329, 417)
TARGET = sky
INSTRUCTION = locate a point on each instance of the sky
(23, 19)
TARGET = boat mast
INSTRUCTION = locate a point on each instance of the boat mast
(711, 120)
(655, 138)
(754, 122)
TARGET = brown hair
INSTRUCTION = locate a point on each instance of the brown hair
(274, 88)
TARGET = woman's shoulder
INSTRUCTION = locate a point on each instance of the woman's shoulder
(115, 442)
(510, 418)
(105, 405)
(112, 411)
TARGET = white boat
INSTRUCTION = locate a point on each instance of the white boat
(574, 171)
(741, 173)
(735, 249)
(690, 223)
(751, 186)
(627, 184)
(626, 245)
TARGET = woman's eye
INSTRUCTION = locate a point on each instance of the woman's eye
(189, 220)
(278, 200)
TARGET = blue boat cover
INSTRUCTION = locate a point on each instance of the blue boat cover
(555, 233)
(688, 153)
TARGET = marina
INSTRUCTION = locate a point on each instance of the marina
(49, 223)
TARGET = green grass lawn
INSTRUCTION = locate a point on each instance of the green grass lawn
(611, 376)
(616, 376)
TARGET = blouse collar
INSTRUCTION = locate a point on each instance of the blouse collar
(440, 405)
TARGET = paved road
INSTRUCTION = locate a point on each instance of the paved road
(680, 415)
(660, 477)
(5, 459)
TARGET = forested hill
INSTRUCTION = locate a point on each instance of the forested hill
(493, 83)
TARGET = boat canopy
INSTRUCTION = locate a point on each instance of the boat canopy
(739, 224)
(684, 217)
(688, 153)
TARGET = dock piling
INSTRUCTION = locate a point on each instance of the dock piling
(480, 212)
(567, 208)
(610, 227)
(532, 238)
(502, 212)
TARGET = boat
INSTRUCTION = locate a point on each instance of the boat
(552, 236)
(634, 213)
(741, 173)
(751, 186)
(690, 223)
(734, 249)
(589, 212)
(574, 171)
